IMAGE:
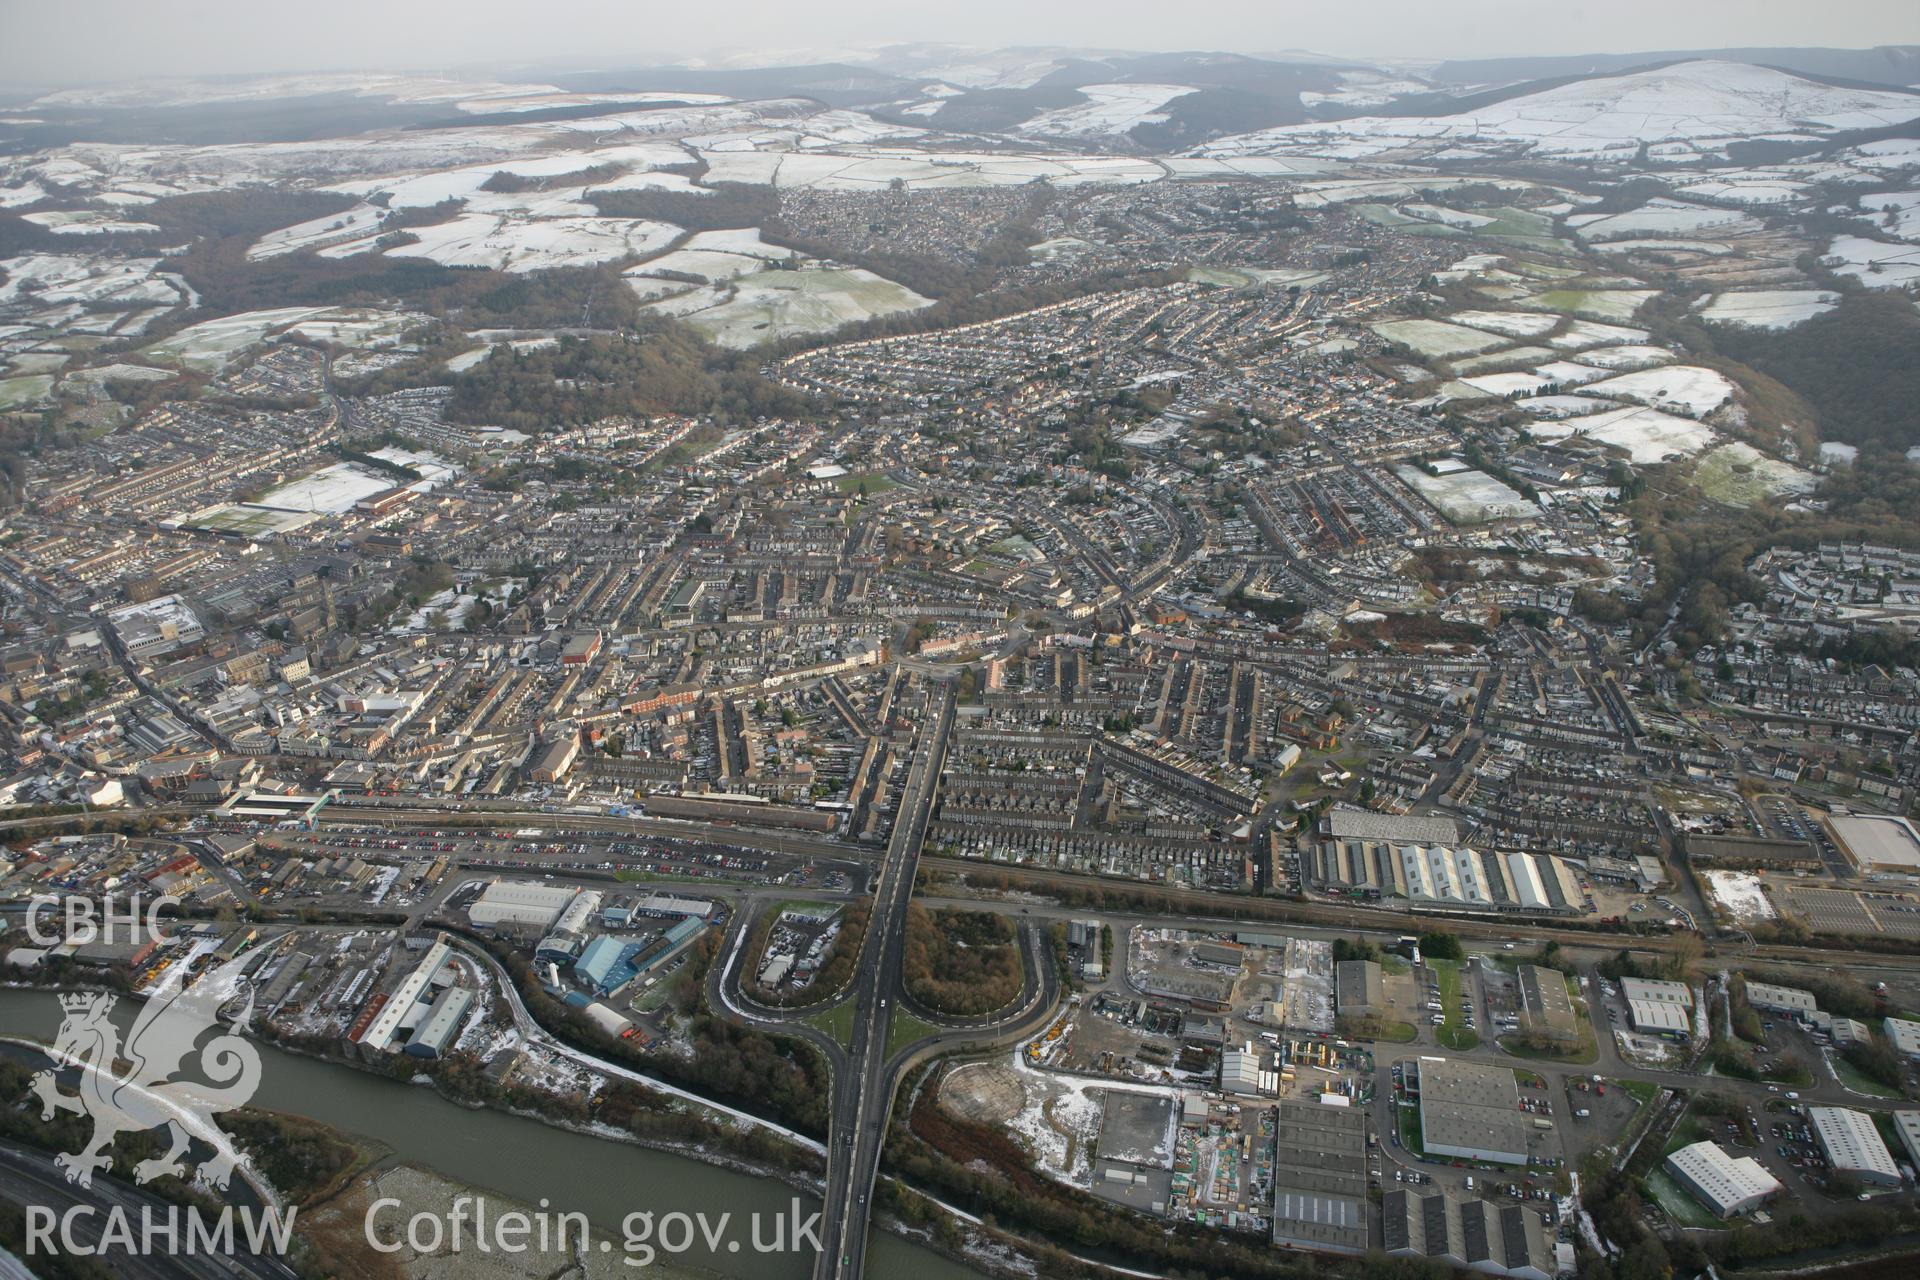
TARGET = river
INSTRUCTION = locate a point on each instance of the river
(526, 1160)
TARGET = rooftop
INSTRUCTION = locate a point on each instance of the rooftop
(1320, 1189)
(1727, 1182)
(1877, 841)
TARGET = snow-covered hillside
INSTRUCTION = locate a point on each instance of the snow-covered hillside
(1682, 111)
(1110, 110)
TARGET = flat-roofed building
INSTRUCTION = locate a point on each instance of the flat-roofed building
(1904, 1035)
(606, 963)
(1471, 1112)
(669, 904)
(1666, 1020)
(1659, 1008)
(1876, 841)
(517, 902)
(1240, 1072)
(1529, 887)
(1441, 874)
(1133, 1161)
(1748, 851)
(1393, 828)
(1768, 998)
(1846, 1031)
(557, 759)
(397, 1007)
(1656, 991)
(1500, 1240)
(442, 1023)
(1545, 1004)
(582, 649)
(1359, 989)
(1852, 1144)
(1320, 1189)
(1725, 1184)
(1907, 1125)
(1217, 956)
(1208, 990)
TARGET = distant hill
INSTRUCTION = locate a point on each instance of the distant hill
(836, 84)
(1686, 110)
(1885, 64)
(1063, 94)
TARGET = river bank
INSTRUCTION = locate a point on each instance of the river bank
(529, 1159)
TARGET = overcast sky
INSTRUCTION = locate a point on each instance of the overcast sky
(61, 41)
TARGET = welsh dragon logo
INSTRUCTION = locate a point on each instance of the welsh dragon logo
(166, 1034)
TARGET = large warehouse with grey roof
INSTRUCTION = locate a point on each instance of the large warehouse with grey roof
(1471, 1112)
(1502, 1240)
(1320, 1189)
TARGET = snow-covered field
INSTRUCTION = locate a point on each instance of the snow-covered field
(875, 168)
(1656, 244)
(1582, 334)
(356, 223)
(1769, 308)
(1594, 304)
(1889, 155)
(1514, 324)
(1747, 190)
(358, 327)
(508, 244)
(1647, 435)
(715, 256)
(100, 375)
(1874, 264)
(637, 161)
(386, 156)
(1624, 358)
(86, 222)
(1435, 337)
(49, 279)
(1468, 497)
(32, 388)
(1455, 218)
(995, 69)
(774, 304)
(468, 359)
(1738, 893)
(808, 131)
(1501, 385)
(1363, 89)
(1739, 475)
(1897, 212)
(1662, 217)
(1694, 109)
(1564, 406)
(1686, 389)
(1110, 110)
(213, 344)
(23, 193)
(1570, 373)
(37, 362)
(1507, 358)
